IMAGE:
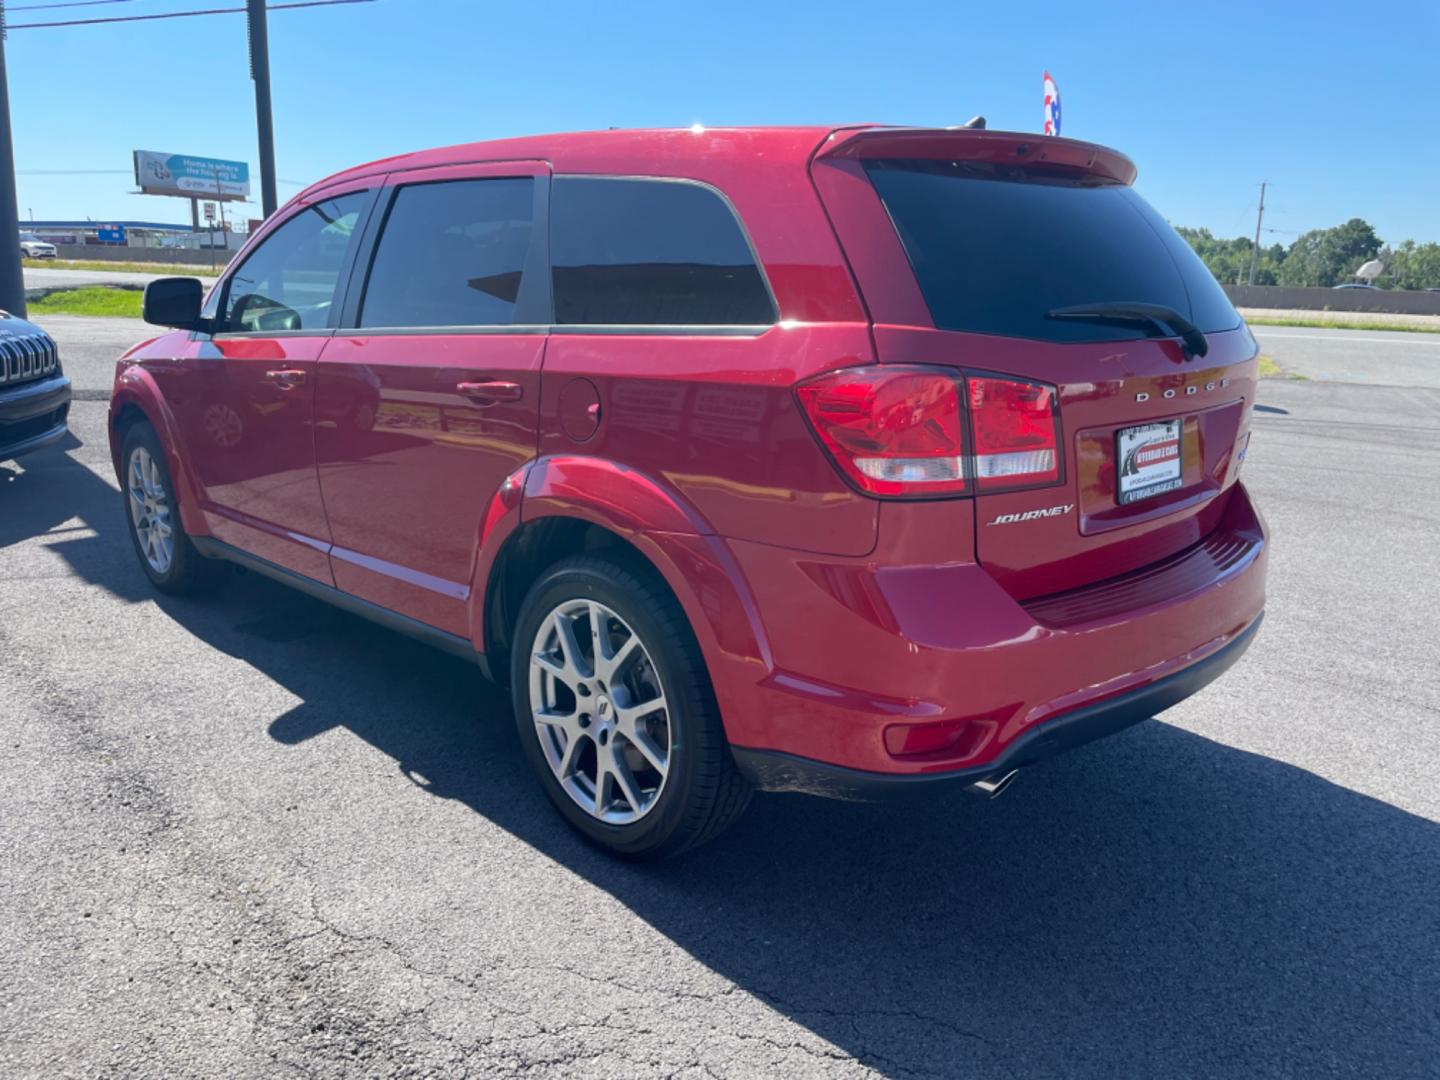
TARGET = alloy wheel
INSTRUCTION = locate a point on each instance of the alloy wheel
(600, 711)
(150, 510)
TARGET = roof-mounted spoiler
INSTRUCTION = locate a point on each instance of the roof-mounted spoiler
(975, 143)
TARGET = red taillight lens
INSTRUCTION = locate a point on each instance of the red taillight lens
(1017, 441)
(899, 431)
(894, 431)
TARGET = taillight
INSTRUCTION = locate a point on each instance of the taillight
(1017, 441)
(893, 431)
(900, 431)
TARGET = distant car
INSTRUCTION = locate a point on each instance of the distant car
(34, 393)
(1357, 285)
(32, 247)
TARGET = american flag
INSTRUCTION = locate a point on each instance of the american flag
(1052, 106)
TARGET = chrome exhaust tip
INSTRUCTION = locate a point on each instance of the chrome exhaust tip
(992, 786)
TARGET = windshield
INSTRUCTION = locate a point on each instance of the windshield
(994, 249)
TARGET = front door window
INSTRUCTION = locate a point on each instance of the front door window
(290, 281)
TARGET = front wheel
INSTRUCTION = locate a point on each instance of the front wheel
(616, 712)
(167, 556)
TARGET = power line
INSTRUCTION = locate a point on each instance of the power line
(179, 14)
(68, 4)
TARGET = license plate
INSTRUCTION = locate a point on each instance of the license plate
(1148, 460)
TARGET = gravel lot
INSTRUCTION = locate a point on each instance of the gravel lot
(250, 836)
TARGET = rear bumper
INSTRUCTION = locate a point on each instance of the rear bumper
(868, 653)
(33, 415)
(772, 771)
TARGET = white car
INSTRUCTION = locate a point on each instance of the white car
(32, 247)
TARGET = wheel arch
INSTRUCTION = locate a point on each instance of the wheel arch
(571, 507)
(136, 399)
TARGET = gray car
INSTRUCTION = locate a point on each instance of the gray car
(34, 392)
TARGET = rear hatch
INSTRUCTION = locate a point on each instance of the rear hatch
(1033, 258)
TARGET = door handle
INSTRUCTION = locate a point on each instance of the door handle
(490, 393)
(286, 378)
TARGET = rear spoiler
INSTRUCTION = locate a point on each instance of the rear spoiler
(977, 144)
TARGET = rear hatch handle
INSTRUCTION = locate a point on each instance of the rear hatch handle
(1132, 312)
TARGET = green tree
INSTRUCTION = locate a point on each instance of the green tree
(1229, 260)
(1411, 265)
(1326, 257)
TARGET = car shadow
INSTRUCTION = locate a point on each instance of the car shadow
(46, 491)
(1158, 904)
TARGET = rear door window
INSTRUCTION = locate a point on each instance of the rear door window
(452, 253)
(994, 249)
(629, 252)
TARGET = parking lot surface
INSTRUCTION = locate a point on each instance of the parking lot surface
(247, 835)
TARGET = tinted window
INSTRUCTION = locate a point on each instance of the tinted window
(451, 254)
(651, 252)
(289, 282)
(994, 250)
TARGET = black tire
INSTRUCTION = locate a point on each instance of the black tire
(188, 570)
(703, 793)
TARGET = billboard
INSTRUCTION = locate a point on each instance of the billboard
(191, 177)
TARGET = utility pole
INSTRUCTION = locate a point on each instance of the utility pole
(260, 72)
(1259, 217)
(12, 274)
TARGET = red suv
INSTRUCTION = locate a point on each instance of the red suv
(800, 459)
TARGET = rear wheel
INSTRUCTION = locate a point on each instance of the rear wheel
(166, 554)
(616, 712)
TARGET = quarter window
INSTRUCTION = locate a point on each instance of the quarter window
(452, 253)
(290, 281)
(651, 252)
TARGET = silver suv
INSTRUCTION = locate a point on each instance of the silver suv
(32, 247)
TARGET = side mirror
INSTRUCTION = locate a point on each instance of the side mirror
(174, 301)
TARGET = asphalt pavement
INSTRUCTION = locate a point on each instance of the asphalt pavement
(1376, 357)
(247, 835)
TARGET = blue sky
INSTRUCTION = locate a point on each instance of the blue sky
(1333, 103)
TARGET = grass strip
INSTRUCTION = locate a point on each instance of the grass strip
(90, 300)
(1269, 369)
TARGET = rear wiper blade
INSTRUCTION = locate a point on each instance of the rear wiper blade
(1169, 321)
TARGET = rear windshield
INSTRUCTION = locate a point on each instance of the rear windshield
(994, 249)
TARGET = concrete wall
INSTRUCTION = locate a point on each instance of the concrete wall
(1277, 296)
(172, 256)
